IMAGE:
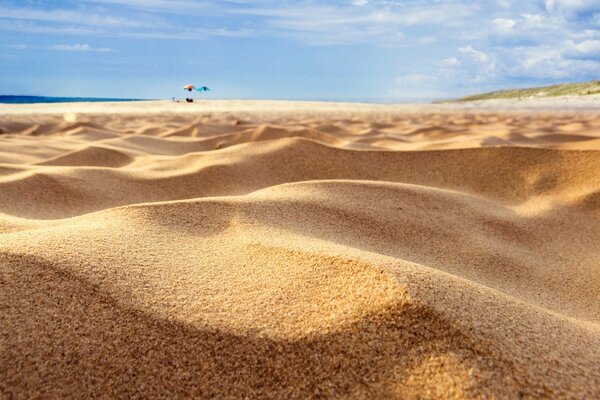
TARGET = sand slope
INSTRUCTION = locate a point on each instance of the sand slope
(315, 251)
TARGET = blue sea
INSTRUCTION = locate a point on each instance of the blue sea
(43, 99)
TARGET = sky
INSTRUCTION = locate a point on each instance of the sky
(353, 50)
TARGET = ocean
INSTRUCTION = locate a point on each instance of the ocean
(44, 99)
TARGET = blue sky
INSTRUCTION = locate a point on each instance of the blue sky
(333, 50)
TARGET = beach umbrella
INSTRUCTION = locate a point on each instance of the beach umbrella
(189, 88)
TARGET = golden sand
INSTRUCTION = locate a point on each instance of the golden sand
(297, 250)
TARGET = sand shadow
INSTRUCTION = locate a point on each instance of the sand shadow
(62, 336)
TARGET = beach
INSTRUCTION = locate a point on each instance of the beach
(277, 249)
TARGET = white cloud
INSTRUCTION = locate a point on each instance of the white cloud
(534, 20)
(571, 5)
(550, 5)
(110, 23)
(451, 62)
(174, 6)
(476, 54)
(503, 25)
(78, 47)
(586, 48)
(549, 64)
(426, 40)
(537, 57)
(375, 22)
(481, 66)
(66, 16)
(503, 3)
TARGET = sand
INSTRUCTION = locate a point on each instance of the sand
(247, 249)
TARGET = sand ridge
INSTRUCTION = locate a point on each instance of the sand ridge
(296, 250)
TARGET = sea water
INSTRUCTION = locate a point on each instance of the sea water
(44, 99)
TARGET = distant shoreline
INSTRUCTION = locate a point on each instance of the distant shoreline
(19, 99)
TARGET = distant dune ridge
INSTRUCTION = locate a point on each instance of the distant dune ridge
(298, 250)
(559, 90)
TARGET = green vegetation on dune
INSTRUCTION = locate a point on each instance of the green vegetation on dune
(564, 89)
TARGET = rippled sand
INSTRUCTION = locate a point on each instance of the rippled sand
(299, 250)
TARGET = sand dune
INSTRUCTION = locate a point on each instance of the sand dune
(298, 250)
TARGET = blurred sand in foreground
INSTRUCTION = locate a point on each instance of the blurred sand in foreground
(255, 249)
